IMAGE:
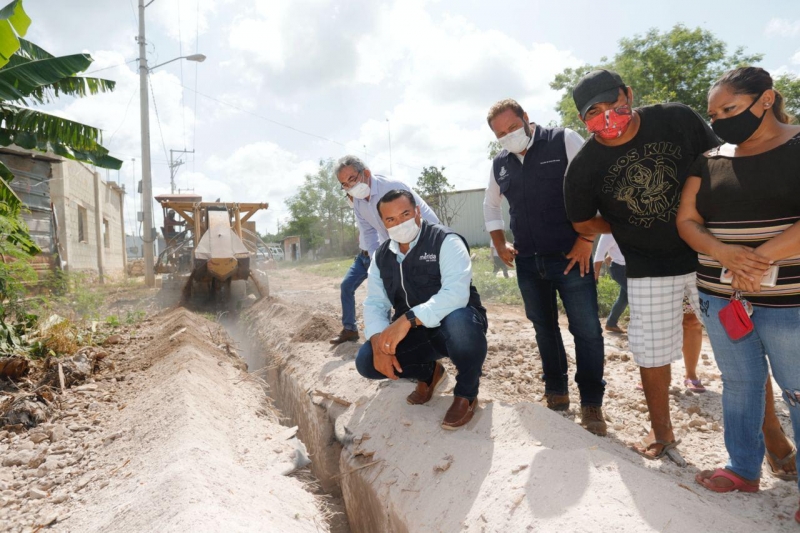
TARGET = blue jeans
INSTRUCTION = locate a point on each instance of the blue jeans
(461, 336)
(743, 364)
(352, 280)
(540, 277)
(617, 272)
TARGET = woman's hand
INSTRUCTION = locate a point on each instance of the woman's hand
(742, 261)
(745, 285)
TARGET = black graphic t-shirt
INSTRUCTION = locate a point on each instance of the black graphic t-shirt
(637, 186)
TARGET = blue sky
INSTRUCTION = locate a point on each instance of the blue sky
(338, 69)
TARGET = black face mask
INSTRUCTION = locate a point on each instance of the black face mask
(738, 128)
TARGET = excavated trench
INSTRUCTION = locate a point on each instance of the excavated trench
(355, 505)
(391, 468)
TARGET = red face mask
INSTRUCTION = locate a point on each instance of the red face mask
(611, 124)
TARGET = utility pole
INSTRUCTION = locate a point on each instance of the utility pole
(173, 166)
(147, 184)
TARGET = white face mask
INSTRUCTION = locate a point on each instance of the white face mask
(516, 141)
(359, 190)
(404, 233)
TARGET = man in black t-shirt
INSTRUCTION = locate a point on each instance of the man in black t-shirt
(631, 171)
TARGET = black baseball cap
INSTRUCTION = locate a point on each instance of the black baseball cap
(595, 87)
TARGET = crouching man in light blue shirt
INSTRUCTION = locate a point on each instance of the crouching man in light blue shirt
(365, 189)
(423, 273)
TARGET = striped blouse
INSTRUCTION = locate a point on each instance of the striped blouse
(747, 201)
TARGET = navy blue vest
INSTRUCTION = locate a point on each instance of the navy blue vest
(535, 193)
(418, 278)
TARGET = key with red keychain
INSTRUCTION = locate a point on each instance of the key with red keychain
(735, 317)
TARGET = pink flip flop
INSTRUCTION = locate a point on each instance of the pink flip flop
(738, 483)
(694, 385)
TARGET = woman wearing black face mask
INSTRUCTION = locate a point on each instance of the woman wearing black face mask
(740, 209)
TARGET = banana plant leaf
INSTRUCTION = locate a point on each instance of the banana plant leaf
(76, 86)
(9, 201)
(35, 130)
(14, 23)
(14, 229)
(19, 81)
(18, 120)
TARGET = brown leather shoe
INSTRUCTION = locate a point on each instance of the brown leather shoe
(460, 413)
(615, 329)
(592, 419)
(424, 392)
(557, 402)
(344, 336)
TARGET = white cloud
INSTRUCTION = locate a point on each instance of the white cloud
(260, 172)
(782, 27)
(449, 72)
(184, 19)
(332, 68)
(305, 45)
(796, 58)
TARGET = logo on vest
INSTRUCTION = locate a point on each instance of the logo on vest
(503, 173)
(428, 258)
(550, 161)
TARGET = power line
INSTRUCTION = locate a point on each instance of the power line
(281, 124)
(107, 68)
(133, 12)
(196, 50)
(124, 117)
(180, 54)
(158, 120)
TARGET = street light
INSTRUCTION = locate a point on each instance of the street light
(199, 58)
(147, 185)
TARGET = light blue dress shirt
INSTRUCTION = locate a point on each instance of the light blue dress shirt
(455, 267)
(371, 231)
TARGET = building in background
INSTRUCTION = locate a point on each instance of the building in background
(75, 217)
(468, 219)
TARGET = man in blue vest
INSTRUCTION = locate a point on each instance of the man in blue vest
(423, 272)
(551, 257)
(365, 189)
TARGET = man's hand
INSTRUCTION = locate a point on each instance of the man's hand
(581, 254)
(597, 265)
(384, 362)
(391, 336)
(507, 254)
(743, 261)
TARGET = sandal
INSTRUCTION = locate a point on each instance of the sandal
(781, 472)
(694, 385)
(666, 446)
(738, 483)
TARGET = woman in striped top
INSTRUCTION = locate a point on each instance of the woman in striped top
(740, 210)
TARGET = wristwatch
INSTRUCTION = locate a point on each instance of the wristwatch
(411, 318)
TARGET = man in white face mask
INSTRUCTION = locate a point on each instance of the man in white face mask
(365, 189)
(551, 257)
(424, 274)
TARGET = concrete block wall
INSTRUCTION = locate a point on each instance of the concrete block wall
(73, 187)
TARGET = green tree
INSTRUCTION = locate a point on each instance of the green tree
(319, 211)
(789, 87)
(493, 148)
(437, 191)
(679, 65)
